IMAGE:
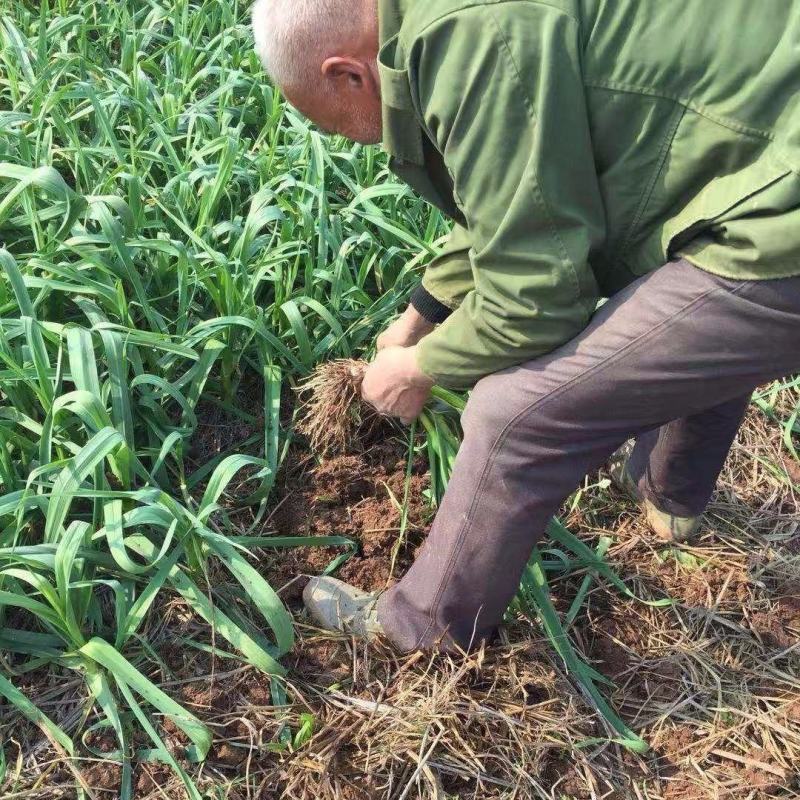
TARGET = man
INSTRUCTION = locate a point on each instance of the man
(638, 150)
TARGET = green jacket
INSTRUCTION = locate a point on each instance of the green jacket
(579, 144)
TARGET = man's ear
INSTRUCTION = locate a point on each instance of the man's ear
(355, 72)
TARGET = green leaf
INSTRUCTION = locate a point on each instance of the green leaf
(126, 674)
(535, 583)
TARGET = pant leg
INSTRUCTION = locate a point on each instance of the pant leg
(676, 466)
(668, 346)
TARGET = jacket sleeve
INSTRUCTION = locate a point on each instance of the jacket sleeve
(500, 91)
(447, 280)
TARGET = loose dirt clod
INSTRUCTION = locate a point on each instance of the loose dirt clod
(333, 412)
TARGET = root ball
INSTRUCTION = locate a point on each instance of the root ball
(333, 413)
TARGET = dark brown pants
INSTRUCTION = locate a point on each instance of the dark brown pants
(670, 360)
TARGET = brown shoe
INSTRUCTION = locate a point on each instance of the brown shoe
(666, 526)
(336, 606)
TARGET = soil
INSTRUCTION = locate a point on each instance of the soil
(102, 776)
(792, 468)
(780, 626)
(323, 662)
(356, 496)
(709, 586)
(149, 778)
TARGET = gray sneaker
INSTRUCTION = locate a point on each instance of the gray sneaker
(336, 606)
(666, 526)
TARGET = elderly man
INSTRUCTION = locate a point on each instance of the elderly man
(638, 150)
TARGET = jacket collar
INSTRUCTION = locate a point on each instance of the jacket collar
(390, 18)
(402, 134)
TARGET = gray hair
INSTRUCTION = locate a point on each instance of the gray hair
(294, 37)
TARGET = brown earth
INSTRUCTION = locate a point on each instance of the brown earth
(356, 496)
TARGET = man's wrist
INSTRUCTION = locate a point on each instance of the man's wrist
(428, 307)
(415, 322)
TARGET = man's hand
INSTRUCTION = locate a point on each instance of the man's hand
(394, 384)
(405, 331)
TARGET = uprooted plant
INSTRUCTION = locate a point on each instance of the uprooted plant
(334, 414)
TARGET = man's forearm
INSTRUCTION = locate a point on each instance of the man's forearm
(408, 329)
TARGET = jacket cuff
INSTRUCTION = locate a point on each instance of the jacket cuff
(428, 307)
